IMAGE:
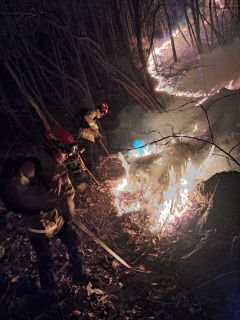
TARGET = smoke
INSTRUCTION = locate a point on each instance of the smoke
(139, 124)
(150, 180)
(213, 70)
(190, 120)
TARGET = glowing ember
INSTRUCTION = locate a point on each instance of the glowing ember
(166, 205)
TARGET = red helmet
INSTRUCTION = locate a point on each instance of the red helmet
(103, 107)
(59, 137)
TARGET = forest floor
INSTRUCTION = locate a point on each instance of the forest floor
(152, 289)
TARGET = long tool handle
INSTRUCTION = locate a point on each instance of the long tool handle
(89, 172)
(104, 148)
(78, 224)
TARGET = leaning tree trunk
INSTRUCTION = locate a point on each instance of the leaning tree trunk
(137, 5)
(28, 96)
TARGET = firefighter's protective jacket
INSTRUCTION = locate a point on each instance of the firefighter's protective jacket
(91, 130)
(44, 200)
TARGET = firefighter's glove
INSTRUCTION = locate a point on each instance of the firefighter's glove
(99, 139)
(66, 207)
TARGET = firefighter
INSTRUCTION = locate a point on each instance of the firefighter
(89, 132)
(39, 188)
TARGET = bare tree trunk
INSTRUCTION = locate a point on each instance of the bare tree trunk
(28, 97)
(216, 15)
(190, 29)
(137, 5)
(170, 31)
(238, 20)
(205, 29)
(5, 100)
(195, 14)
(211, 19)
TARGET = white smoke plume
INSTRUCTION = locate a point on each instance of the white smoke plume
(213, 70)
(190, 120)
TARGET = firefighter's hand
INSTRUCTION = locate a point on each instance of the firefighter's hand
(70, 208)
(99, 139)
(66, 206)
(83, 167)
(94, 129)
(82, 164)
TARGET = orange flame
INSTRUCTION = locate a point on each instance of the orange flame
(131, 195)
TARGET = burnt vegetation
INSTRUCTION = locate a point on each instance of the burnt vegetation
(60, 56)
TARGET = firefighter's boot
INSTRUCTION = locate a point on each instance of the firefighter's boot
(79, 273)
(47, 275)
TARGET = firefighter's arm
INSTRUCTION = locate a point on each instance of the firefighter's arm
(90, 118)
(66, 203)
(98, 136)
(30, 200)
(27, 196)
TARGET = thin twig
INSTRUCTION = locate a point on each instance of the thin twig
(214, 279)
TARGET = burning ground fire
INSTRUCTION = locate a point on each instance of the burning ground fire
(154, 182)
(169, 84)
(166, 200)
(170, 75)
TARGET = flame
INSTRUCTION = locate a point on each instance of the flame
(124, 205)
(135, 192)
(124, 163)
(195, 128)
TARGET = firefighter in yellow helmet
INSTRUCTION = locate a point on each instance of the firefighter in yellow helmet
(89, 132)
